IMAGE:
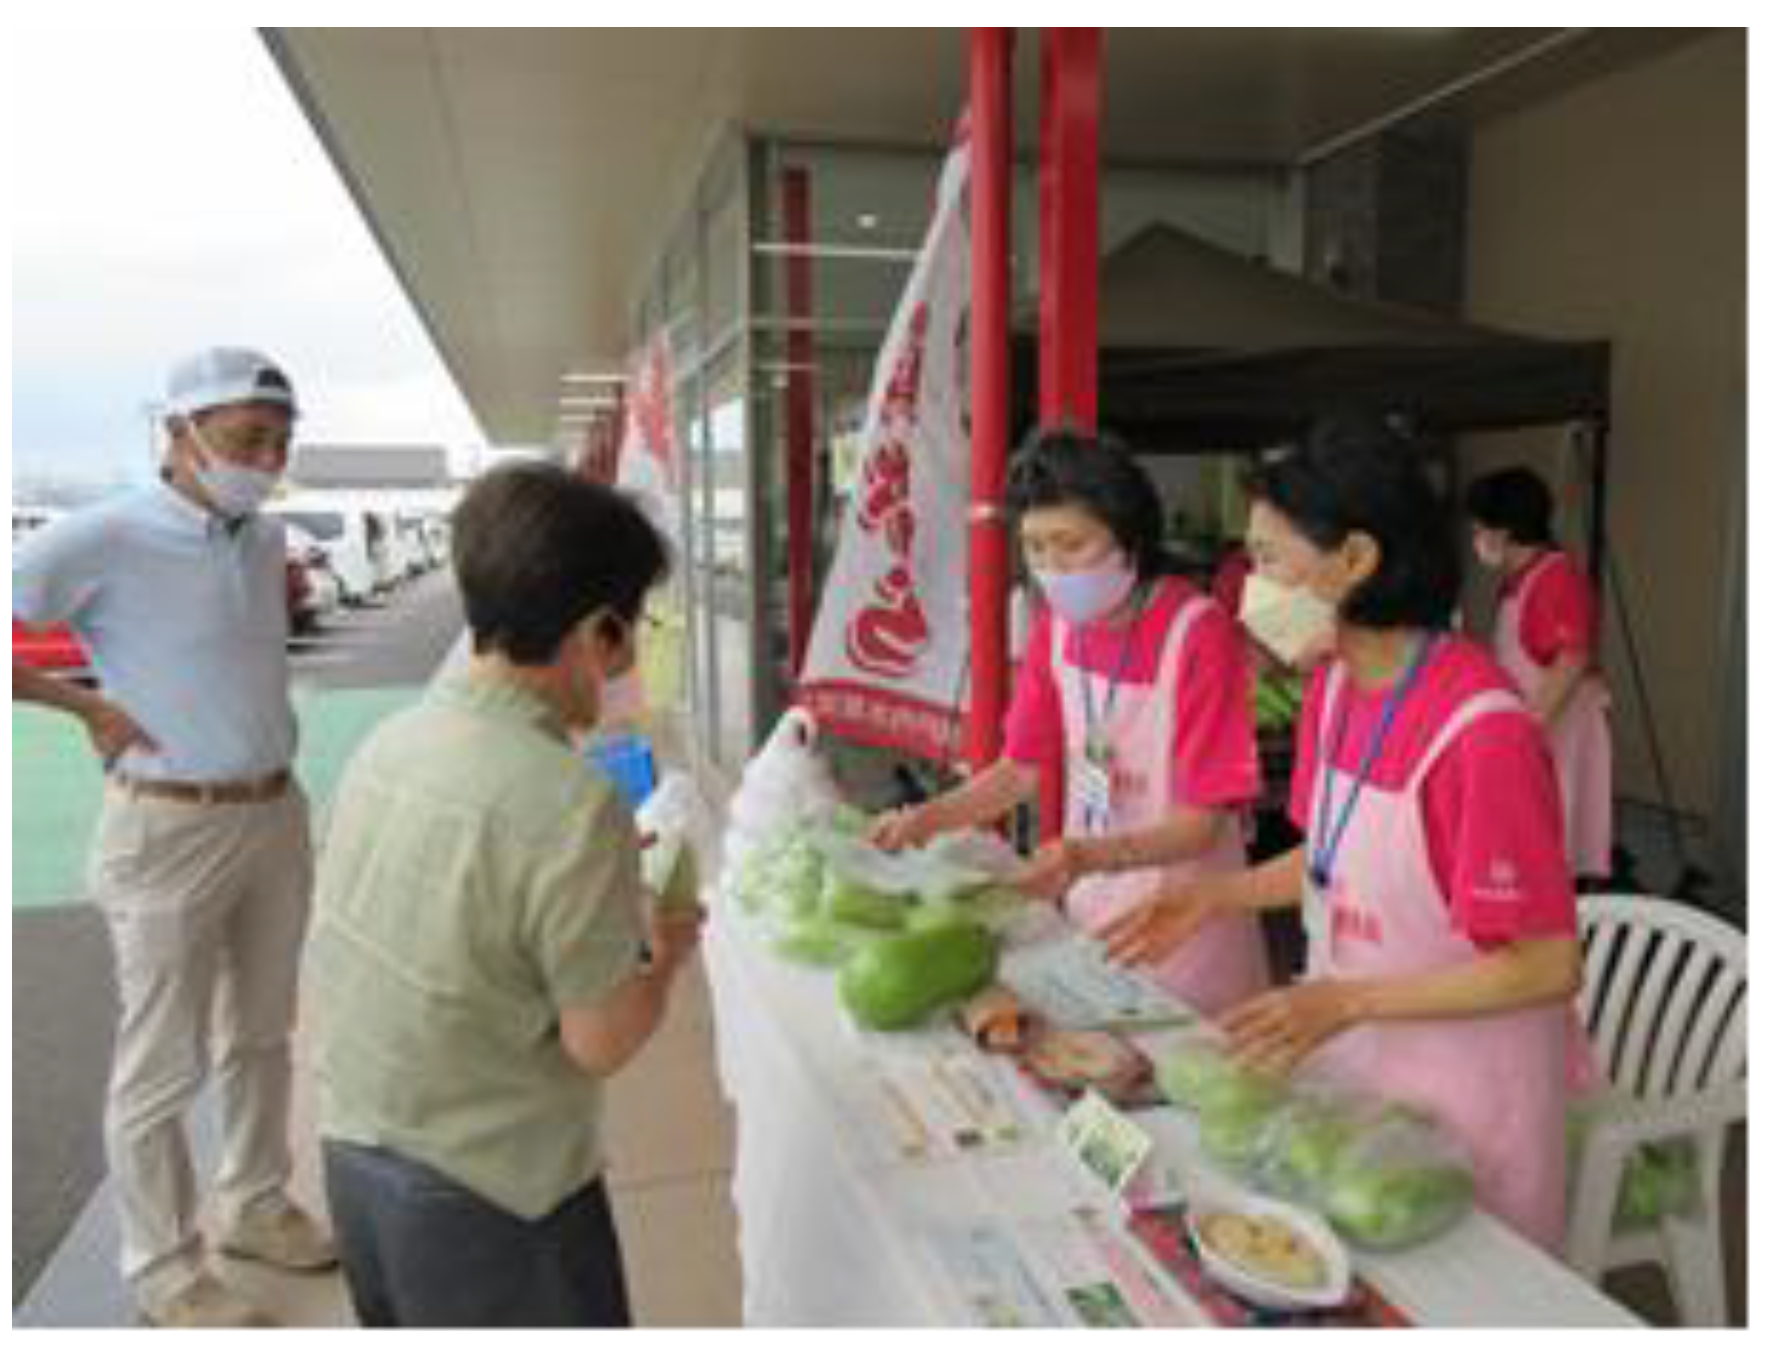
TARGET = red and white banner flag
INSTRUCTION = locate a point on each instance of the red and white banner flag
(887, 660)
(649, 465)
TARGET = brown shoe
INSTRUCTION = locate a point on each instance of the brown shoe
(278, 1233)
(205, 1303)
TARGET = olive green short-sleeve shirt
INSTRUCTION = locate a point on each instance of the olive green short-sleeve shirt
(476, 877)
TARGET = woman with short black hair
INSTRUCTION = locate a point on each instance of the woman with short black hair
(1546, 637)
(1443, 944)
(484, 957)
(1139, 683)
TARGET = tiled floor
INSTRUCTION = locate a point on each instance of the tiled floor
(670, 1139)
(671, 1146)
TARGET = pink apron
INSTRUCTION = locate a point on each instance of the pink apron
(1580, 740)
(1226, 963)
(1499, 1082)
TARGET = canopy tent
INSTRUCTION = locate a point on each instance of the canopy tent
(1202, 350)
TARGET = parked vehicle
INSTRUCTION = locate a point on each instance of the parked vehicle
(384, 551)
(436, 533)
(25, 520)
(352, 538)
(411, 539)
(297, 595)
(411, 555)
(52, 648)
(312, 589)
(323, 581)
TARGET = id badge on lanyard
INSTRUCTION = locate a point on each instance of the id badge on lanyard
(1314, 909)
(1094, 784)
(1321, 884)
(1093, 777)
(1318, 909)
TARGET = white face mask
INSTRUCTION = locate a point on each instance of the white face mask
(1287, 620)
(1087, 595)
(235, 490)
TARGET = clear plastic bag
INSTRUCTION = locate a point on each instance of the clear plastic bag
(784, 786)
(1401, 1181)
(679, 821)
(1306, 1138)
(1383, 1173)
(1187, 1068)
(782, 880)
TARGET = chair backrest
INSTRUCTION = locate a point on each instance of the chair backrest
(1664, 996)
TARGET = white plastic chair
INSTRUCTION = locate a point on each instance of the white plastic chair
(1664, 1001)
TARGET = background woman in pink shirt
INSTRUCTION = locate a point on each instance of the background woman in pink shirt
(1138, 681)
(1546, 637)
(1443, 943)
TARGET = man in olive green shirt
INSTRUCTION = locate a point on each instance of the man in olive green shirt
(481, 956)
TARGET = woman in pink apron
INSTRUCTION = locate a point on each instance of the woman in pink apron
(1546, 637)
(1139, 683)
(1443, 943)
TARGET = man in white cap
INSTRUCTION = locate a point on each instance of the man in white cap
(201, 861)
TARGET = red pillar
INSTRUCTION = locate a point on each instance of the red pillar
(992, 204)
(801, 415)
(1069, 267)
(1069, 227)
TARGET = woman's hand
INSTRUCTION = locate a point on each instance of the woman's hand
(1163, 923)
(1055, 866)
(1276, 1030)
(902, 829)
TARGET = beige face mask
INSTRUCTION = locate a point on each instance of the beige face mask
(1287, 620)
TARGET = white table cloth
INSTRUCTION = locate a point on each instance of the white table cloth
(835, 1234)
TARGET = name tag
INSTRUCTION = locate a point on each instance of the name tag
(1315, 911)
(1094, 789)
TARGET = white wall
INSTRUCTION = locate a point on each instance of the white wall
(1619, 211)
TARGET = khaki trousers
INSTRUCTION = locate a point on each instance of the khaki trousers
(207, 907)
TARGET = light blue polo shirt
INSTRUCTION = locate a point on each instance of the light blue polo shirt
(186, 624)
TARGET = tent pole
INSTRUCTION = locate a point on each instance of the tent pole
(992, 205)
(1599, 431)
(1069, 269)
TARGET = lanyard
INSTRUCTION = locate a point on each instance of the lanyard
(1327, 844)
(1090, 722)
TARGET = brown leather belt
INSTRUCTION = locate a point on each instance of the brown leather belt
(260, 791)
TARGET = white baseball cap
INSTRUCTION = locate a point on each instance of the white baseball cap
(222, 376)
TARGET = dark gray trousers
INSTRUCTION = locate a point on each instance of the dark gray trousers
(420, 1250)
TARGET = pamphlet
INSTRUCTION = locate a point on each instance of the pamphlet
(1072, 1269)
(1071, 983)
(1109, 1148)
(934, 1100)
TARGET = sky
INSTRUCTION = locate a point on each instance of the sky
(166, 193)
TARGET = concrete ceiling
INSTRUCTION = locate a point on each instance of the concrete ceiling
(522, 181)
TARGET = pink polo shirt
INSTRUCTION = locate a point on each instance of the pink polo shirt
(1561, 614)
(1215, 759)
(1491, 804)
